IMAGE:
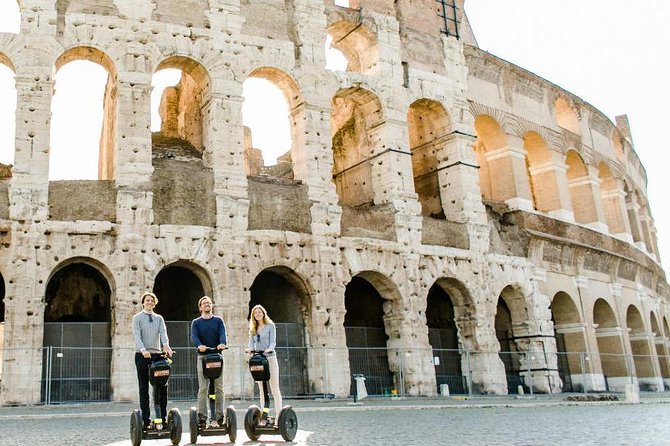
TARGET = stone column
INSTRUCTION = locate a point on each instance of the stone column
(509, 174)
(551, 188)
(634, 218)
(614, 206)
(595, 379)
(224, 153)
(586, 200)
(24, 309)
(29, 186)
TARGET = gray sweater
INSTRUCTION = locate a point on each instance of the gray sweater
(149, 331)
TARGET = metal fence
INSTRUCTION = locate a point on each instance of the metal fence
(76, 374)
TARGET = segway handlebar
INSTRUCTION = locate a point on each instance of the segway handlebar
(212, 350)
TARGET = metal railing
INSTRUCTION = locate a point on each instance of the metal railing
(84, 374)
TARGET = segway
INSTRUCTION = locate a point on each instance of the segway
(257, 423)
(159, 374)
(212, 367)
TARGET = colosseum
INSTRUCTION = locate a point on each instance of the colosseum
(442, 217)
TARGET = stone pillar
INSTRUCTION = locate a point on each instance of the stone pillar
(509, 175)
(29, 186)
(224, 153)
(586, 200)
(551, 188)
(24, 309)
(634, 218)
(614, 207)
(595, 379)
(313, 165)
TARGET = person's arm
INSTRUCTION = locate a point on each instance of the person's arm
(137, 335)
(272, 335)
(195, 334)
(223, 338)
(162, 331)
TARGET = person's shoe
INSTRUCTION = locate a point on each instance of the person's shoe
(202, 421)
(220, 420)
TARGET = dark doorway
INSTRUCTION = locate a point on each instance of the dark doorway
(508, 352)
(366, 336)
(443, 338)
(283, 302)
(77, 337)
(178, 289)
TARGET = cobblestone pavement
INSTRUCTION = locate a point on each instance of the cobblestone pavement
(501, 421)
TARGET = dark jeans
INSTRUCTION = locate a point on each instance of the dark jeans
(160, 392)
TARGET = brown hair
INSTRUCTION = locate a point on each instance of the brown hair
(148, 293)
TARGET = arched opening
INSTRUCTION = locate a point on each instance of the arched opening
(428, 125)
(641, 349)
(610, 346)
(182, 179)
(541, 173)
(77, 333)
(509, 354)
(10, 17)
(355, 121)
(570, 342)
(579, 185)
(566, 116)
(491, 139)
(7, 117)
(444, 339)
(284, 295)
(178, 287)
(83, 123)
(661, 348)
(356, 43)
(366, 337)
(272, 114)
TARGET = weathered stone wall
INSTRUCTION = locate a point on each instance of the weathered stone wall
(190, 203)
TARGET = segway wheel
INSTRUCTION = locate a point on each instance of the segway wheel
(231, 417)
(136, 427)
(174, 420)
(288, 423)
(193, 425)
(251, 420)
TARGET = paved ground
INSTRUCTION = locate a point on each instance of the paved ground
(525, 421)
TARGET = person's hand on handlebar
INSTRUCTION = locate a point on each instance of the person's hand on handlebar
(221, 347)
(202, 348)
(168, 351)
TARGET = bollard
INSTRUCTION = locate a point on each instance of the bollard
(444, 389)
(519, 389)
(632, 393)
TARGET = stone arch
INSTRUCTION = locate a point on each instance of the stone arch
(491, 141)
(287, 298)
(106, 150)
(445, 312)
(579, 185)
(178, 286)
(540, 165)
(510, 313)
(640, 346)
(181, 107)
(357, 43)
(661, 348)
(355, 121)
(293, 124)
(77, 327)
(610, 345)
(570, 341)
(12, 9)
(370, 325)
(8, 97)
(566, 115)
(428, 125)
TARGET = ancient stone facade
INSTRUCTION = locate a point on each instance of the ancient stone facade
(429, 174)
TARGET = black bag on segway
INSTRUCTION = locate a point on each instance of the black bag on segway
(259, 367)
(159, 372)
(212, 365)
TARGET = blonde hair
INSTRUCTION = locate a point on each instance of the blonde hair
(253, 323)
(147, 294)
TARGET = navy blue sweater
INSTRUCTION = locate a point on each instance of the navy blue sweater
(208, 332)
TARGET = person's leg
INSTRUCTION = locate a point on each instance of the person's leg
(274, 383)
(163, 392)
(220, 397)
(261, 394)
(142, 367)
(203, 384)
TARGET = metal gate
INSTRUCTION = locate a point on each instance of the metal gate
(368, 356)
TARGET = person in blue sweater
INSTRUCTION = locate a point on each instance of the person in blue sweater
(208, 331)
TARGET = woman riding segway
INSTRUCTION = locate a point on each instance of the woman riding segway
(265, 370)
